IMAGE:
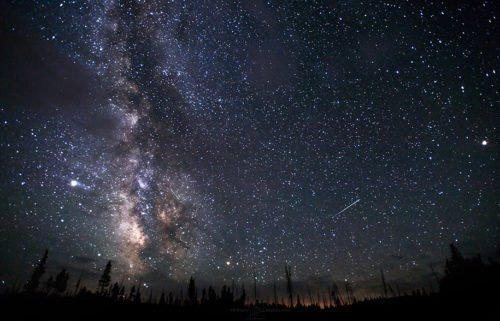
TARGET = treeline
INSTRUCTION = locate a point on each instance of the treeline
(463, 277)
(119, 293)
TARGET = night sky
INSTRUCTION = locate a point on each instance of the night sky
(207, 138)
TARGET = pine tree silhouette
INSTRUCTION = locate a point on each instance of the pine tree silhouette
(204, 299)
(162, 299)
(132, 293)
(34, 282)
(212, 296)
(61, 281)
(469, 277)
(49, 284)
(115, 290)
(226, 297)
(105, 279)
(243, 297)
(192, 295)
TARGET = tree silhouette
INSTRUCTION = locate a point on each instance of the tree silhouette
(49, 284)
(61, 281)
(242, 298)
(298, 304)
(150, 299)
(384, 284)
(275, 293)
(289, 285)
(336, 295)
(212, 296)
(203, 299)
(122, 292)
(170, 298)
(349, 293)
(115, 291)
(192, 295)
(34, 282)
(469, 277)
(467, 282)
(105, 279)
(137, 297)
(77, 285)
(162, 299)
(254, 285)
(132, 293)
(226, 297)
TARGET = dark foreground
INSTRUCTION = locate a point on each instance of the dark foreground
(469, 290)
(435, 307)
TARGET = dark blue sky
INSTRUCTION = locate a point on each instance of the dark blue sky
(204, 138)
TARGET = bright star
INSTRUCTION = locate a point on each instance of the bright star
(73, 183)
(484, 142)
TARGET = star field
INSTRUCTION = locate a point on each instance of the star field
(207, 138)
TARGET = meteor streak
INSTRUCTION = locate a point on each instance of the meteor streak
(346, 208)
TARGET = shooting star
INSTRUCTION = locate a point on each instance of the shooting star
(346, 208)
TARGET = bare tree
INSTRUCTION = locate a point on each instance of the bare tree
(289, 285)
(254, 285)
(275, 293)
(384, 284)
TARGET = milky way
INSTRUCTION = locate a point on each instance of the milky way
(207, 138)
(155, 214)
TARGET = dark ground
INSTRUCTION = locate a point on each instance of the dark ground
(435, 307)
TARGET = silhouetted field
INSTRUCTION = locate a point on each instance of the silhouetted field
(469, 290)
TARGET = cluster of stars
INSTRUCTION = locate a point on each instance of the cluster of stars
(214, 138)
